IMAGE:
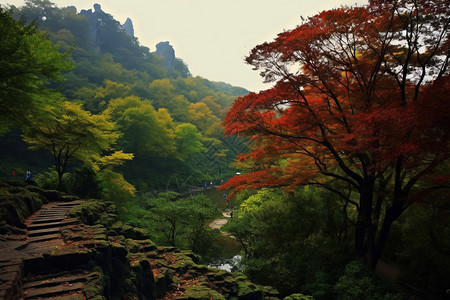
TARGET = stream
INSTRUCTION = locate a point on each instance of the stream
(228, 255)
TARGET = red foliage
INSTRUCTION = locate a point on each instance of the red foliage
(361, 97)
(353, 91)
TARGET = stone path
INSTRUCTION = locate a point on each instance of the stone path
(218, 223)
(20, 270)
(46, 223)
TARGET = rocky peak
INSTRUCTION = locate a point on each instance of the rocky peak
(128, 26)
(93, 20)
(165, 50)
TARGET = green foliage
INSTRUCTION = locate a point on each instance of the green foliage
(358, 283)
(298, 297)
(71, 132)
(188, 140)
(28, 61)
(175, 221)
(425, 262)
(115, 66)
(115, 187)
(85, 183)
(289, 241)
(49, 180)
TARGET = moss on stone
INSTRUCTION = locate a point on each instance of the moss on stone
(95, 287)
(16, 206)
(298, 297)
(183, 263)
(201, 293)
(269, 291)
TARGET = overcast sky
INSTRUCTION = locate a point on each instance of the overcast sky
(211, 36)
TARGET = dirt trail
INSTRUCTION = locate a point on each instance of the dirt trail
(218, 223)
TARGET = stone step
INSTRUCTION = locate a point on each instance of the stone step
(9, 263)
(40, 232)
(53, 281)
(49, 215)
(69, 204)
(55, 209)
(76, 296)
(10, 281)
(47, 292)
(36, 239)
(51, 224)
(47, 220)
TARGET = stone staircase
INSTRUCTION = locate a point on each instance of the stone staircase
(46, 223)
(20, 263)
(63, 286)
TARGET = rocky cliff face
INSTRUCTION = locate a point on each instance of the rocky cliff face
(128, 26)
(165, 50)
(81, 251)
(93, 18)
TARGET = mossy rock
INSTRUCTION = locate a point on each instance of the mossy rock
(167, 249)
(162, 282)
(133, 246)
(183, 263)
(129, 231)
(143, 279)
(269, 291)
(189, 253)
(135, 259)
(135, 233)
(15, 208)
(119, 250)
(246, 289)
(147, 245)
(95, 287)
(52, 195)
(298, 297)
(217, 274)
(201, 293)
(88, 212)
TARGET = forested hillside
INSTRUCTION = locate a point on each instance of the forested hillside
(339, 188)
(168, 120)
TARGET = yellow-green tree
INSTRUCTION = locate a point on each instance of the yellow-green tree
(188, 140)
(201, 116)
(145, 131)
(70, 132)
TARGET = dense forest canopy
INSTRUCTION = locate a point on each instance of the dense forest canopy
(168, 119)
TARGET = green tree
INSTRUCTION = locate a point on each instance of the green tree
(200, 210)
(358, 283)
(145, 130)
(188, 140)
(28, 62)
(201, 116)
(70, 132)
(182, 222)
(293, 242)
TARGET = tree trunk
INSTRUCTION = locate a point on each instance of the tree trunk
(392, 214)
(364, 231)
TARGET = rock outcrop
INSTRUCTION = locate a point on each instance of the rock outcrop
(165, 50)
(93, 18)
(92, 255)
(128, 26)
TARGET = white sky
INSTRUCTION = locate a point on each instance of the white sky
(211, 36)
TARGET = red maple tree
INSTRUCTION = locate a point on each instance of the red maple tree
(360, 103)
